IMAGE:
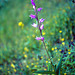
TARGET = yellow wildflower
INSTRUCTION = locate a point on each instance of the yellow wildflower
(12, 65)
(69, 52)
(65, 74)
(52, 49)
(14, 70)
(20, 23)
(35, 66)
(62, 39)
(41, 57)
(26, 49)
(32, 64)
(39, 74)
(59, 49)
(63, 43)
(55, 47)
(25, 56)
(27, 66)
(34, 59)
(68, 49)
(46, 61)
(43, 33)
(45, 69)
(60, 31)
(58, 59)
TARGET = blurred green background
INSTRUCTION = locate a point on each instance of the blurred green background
(19, 51)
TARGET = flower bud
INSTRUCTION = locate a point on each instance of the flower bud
(41, 27)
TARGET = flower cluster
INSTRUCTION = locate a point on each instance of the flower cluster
(40, 25)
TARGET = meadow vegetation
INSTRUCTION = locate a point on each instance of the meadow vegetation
(20, 53)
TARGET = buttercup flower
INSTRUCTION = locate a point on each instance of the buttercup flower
(34, 25)
(32, 16)
(39, 9)
(41, 20)
(41, 27)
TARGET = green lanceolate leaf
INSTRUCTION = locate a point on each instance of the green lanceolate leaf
(45, 72)
(59, 66)
(33, 70)
(49, 66)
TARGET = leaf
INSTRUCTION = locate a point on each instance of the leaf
(45, 72)
(33, 70)
(59, 66)
(49, 66)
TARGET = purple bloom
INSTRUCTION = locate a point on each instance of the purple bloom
(32, 16)
(39, 9)
(40, 38)
(34, 25)
(32, 0)
(33, 3)
(41, 20)
(41, 27)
